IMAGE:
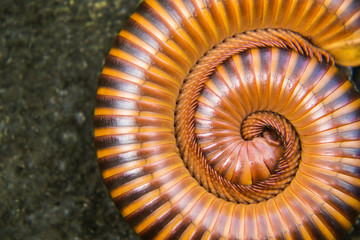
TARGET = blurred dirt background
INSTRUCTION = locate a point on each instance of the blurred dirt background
(51, 54)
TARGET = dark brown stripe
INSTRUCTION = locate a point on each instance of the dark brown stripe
(198, 233)
(319, 71)
(265, 61)
(144, 211)
(334, 83)
(139, 89)
(210, 95)
(337, 167)
(289, 221)
(300, 67)
(221, 220)
(141, 32)
(131, 138)
(228, 95)
(350, 28)
(144, 34)
(139, 52)
(334, 182)
(201, 20)
(234, 76)
(228, 100)
(235, 223)
(127, 198)
(146, 11)
(248, 64)
(190, 6)
(121, 158)
(283, 63)
(211, 213)
(213, 124)
(232, 72)
(219, 81)
(346, 119)
(117, 180)
(354, 26)
(219, 103)
(332, 224)
(334, 5)
(186, 221)
(119, 84)
(264, 76)
(249, 78)
(346, 210)
(306, 220)
(133, 49)
(214, 235)
(125, 66)
(154, 228)
(180, 18)
(338, 152)
(324, 18)
(103, 121)
(274, 222)
(172, 9)
(261, 218)
(153, 16)
(211, 136)
(338, 137)
(349, 152)
(350, 11)
(250, 222)
(339, 121)
(350, 96)
(179, 229)
(104, 101)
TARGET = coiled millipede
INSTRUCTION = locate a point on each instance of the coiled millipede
(227, 119)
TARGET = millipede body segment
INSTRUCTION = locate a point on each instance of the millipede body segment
(228, 119)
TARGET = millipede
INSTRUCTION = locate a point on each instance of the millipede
(230, 119)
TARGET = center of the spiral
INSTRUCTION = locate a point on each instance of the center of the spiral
(243, 154)
(260, 156)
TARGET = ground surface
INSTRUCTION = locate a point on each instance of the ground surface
(51, 53)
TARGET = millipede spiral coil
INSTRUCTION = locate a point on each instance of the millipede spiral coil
(228, 119)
